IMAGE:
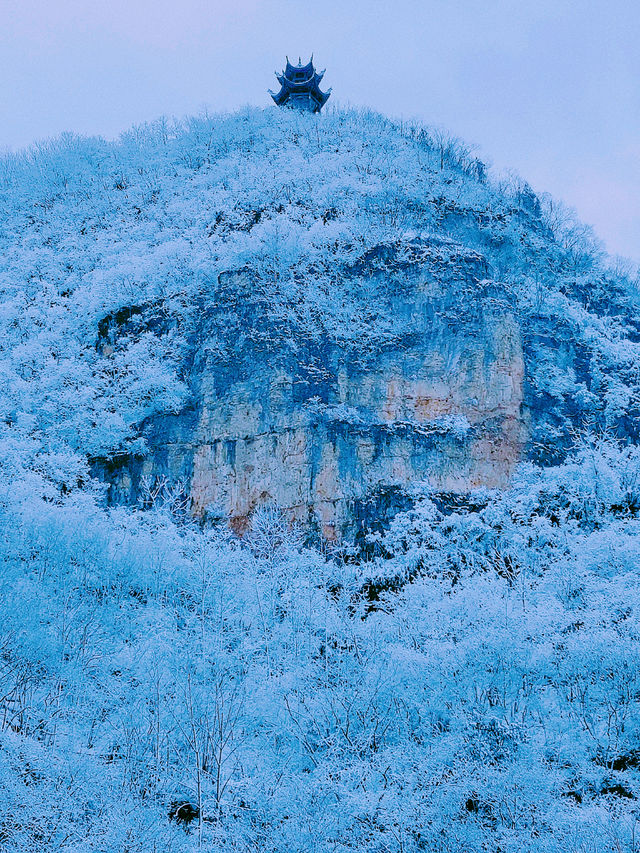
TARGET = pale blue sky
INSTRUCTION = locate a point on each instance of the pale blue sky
(550, 89)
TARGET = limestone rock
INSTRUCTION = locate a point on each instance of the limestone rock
(322, 426)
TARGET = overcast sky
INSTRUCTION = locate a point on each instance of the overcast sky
(548, 88)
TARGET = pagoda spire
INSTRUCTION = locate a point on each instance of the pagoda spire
(300, 87)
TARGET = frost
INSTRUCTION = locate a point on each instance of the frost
(467, 679)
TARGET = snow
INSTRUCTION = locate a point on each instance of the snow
(486, 698)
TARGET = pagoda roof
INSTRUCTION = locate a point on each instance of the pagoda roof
(292, 70)
(296, 81)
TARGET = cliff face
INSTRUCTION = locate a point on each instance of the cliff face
(448, 411)
(336, 434)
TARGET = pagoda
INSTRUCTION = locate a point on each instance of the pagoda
(300, 88)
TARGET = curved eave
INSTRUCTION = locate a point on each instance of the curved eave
(280, 97)
(318, 98)
(309, 85)
(297, 69)
(285, 78)
(316, 93)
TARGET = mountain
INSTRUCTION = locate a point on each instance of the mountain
(270, 308)
(319, 497)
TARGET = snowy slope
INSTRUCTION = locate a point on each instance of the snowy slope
(467, 679)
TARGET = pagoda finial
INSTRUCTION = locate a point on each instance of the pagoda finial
(299, 87)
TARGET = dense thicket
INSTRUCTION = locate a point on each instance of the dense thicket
(477, 686)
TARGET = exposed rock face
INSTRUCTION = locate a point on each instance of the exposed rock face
(321, 429)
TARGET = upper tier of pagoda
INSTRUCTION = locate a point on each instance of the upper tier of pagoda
(300, 88)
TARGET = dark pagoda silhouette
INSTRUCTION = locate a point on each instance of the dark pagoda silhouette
(300, 88)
